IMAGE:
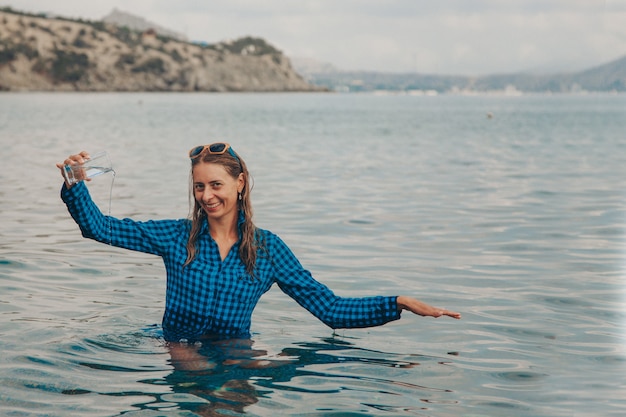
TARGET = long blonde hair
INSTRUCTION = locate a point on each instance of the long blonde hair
(249, 240)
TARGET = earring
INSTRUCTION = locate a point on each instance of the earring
(240, 196)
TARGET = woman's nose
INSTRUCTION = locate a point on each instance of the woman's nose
(207, 195)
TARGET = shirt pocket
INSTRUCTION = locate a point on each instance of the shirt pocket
(241, 287)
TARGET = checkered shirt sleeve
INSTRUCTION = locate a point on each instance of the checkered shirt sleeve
(154, 237)
(334, 311)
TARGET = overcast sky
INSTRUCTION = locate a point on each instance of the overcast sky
(466, 37)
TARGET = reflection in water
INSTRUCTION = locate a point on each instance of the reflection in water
(224, 377)
(215, 376)
(229, 375)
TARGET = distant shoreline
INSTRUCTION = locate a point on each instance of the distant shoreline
(41, 53)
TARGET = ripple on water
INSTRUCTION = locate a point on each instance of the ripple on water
(518, 381)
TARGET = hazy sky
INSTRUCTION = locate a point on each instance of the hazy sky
(468, 37)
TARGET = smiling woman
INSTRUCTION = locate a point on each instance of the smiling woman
(216, 193)
(219, 263)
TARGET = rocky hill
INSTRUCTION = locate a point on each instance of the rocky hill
(55, 54)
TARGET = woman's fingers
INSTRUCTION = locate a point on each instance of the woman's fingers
(75, 159)
(452, 314)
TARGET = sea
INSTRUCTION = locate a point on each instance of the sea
(508, 209)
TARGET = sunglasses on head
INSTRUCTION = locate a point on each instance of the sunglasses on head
(218, 148)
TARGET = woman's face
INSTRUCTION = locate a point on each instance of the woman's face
(216, 190)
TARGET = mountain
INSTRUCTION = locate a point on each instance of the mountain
(611, 76)
(138, 23)
(55, 54)
(607, 77)
(306, 66)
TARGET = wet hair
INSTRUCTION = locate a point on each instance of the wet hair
(249, 235)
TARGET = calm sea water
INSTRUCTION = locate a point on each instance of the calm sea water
(517, 221)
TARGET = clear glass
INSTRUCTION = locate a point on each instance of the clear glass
(98, 164)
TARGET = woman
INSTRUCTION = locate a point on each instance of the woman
(219, 264)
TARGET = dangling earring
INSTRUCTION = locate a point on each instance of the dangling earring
(240, 196)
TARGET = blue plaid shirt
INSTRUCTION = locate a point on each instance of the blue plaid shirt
(211, 297)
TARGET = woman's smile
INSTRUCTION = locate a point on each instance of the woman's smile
(211, 206)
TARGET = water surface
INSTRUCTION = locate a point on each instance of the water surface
(517, 221)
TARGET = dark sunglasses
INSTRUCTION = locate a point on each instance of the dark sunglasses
(218, 148)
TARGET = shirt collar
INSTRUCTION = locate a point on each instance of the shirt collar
(204, 228)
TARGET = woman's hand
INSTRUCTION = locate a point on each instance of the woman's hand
(423, 309)
(75, 159)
